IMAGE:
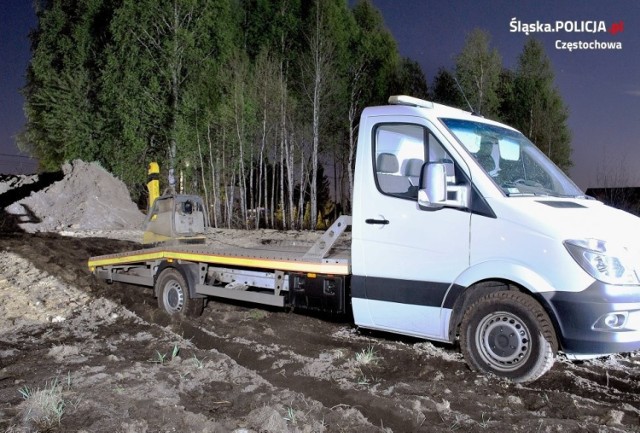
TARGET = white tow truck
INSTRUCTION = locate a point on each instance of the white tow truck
(462, 230)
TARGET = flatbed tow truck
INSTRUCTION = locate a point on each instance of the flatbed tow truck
(462, 231)
(259, 275)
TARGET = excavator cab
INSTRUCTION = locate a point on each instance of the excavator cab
(176, 219)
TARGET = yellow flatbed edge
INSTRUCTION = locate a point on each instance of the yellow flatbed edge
(140, 256)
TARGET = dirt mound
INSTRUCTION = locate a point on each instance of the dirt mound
(88, 197)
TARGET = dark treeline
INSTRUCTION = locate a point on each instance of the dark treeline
(254, 103)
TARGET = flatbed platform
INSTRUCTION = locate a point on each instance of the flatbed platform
(289, 258)
(186, 269)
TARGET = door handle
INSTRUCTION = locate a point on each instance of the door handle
(375, 221)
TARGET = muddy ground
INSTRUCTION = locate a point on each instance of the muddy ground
(77, 354)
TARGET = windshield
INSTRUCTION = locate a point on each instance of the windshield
(514, 163)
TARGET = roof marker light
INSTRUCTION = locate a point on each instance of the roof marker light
(409, 100)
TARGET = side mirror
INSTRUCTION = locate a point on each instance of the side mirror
(433, 186)
(434, 191)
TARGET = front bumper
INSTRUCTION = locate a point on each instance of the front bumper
(580, 319)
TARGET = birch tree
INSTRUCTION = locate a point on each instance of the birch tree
(372, 61)
(478, 70)
(160, 50)
(320, 62)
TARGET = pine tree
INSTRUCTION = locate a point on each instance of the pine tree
(445, 90)
(409, 80)
(63, 120)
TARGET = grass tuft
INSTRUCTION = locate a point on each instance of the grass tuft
(485, 422)
(175, 352)
(291, 415)
(44, 407)
(367, 356)
(362, 379)
(161, 358)
(199, 363)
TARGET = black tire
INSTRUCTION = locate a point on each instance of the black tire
(508, 334)
(173, 295)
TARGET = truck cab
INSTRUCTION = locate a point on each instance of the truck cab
(463, 229)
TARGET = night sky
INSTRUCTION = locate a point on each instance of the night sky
(600, 87)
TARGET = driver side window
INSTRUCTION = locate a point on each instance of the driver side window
(400, 151)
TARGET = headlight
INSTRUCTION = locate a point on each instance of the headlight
(604, 262)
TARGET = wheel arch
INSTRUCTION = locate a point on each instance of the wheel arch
(483, 279)
(189, 271)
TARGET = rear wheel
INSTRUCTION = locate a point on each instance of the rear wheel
(173, 295)
(508, 334)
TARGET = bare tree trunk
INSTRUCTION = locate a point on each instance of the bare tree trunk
(335, 186)
(267, 207)
(320, 55)
(314, 151)
(531, 123)
(274, 180)
(318, 73)
(240, 135)
(242, 179)
(215, 200)
(289, 150)
(303, 187)
(281, 201)
(260, 160)
(176, 66)
(252, 200)
(204, 182)
(353, 124)
(230, 199)
(353, 129)
(226, 181)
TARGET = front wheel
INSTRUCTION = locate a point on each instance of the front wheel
(173, 295)
(508, 334)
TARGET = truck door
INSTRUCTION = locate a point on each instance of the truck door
(405, 258)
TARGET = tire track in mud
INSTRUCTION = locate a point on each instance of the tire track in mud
(573, 386)
(377, 410)
(382, 412)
